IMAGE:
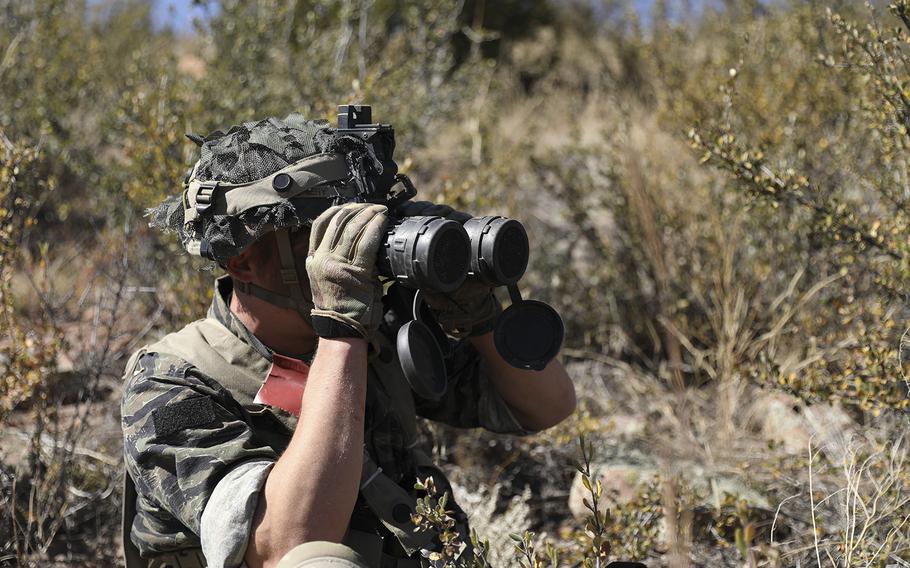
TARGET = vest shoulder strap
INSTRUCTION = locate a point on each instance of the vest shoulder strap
(218, 353)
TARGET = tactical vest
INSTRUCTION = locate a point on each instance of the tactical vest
(217, 352)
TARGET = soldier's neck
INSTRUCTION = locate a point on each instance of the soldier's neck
(279, 329)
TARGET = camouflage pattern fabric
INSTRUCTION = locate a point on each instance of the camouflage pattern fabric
(183, 430)
(176, 470)
(253, 151)
(470, 310)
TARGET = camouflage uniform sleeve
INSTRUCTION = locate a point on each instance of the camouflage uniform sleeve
(471, 399)
(182, 434)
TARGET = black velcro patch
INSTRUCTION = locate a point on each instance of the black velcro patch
(189, 413)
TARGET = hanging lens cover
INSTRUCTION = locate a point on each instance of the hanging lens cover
(421, 357)
(529, 333)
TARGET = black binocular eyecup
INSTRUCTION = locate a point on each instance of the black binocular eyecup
(499, 249)
(438, 254)
(426, 252)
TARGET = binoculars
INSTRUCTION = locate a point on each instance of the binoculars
(439, 254)
(427, 252)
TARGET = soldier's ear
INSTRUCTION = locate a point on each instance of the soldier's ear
(240, 268)
(254, 264)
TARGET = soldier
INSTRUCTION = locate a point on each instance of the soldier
(281, 425)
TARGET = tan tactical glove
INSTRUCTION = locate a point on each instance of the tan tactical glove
(341, 266)
(471, 309)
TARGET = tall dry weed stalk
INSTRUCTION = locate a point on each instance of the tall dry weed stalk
(858, 518)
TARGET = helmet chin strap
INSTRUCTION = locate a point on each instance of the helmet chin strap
(298, 300)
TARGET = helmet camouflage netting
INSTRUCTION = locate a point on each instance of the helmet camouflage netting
(256, 149)
(248, 153)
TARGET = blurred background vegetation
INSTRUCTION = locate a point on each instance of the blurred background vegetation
(719, 201)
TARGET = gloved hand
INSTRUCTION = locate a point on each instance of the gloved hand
(341, 266)
(470, 310)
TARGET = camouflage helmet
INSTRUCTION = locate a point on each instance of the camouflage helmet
(262, 176)
(258, 177)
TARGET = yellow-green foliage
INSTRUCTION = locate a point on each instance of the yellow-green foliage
(27, 349)
(841, 173)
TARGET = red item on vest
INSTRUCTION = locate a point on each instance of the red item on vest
(284, 385)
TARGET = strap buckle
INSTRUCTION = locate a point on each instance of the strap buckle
(205, 195)
(242, 287)
(289, 276)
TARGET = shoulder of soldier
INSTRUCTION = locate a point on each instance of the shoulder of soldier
(160, 380)
(152, 368)
(149, 375)
(150, 363)
(155, 360)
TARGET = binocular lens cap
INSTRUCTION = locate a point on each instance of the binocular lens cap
(528, 334)
(421, 360)
(426, 252)
(510, 256)
(499, 249)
